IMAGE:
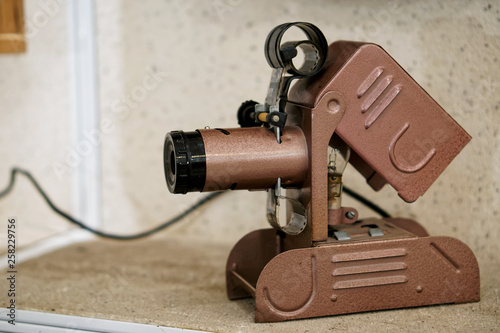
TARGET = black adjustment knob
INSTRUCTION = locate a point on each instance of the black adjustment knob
(246, 114)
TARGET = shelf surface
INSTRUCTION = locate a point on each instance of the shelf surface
(178, 282)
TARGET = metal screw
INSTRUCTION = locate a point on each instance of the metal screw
(276, 118)
(350, 214)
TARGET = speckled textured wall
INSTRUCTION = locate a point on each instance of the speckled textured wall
(210, 57)
(167, 65)
(35, 124)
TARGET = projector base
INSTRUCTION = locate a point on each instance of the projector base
(376, 265)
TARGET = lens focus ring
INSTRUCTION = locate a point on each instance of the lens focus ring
(184, 161)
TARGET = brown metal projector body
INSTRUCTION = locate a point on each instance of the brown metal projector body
(398, 135)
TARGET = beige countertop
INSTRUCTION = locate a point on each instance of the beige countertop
(180, 282)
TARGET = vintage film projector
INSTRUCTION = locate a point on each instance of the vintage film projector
(350, 102)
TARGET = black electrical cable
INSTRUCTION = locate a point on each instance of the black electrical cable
(366, 202)
(162, 226)
(71, 219)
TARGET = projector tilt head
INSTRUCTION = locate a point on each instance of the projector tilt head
(351, 103)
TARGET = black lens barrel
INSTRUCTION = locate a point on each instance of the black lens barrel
(184, 161)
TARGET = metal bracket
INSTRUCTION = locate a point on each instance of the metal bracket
(280, 57)
(297, 219)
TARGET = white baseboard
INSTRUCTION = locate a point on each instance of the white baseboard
(42, 322)
(47, 245)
